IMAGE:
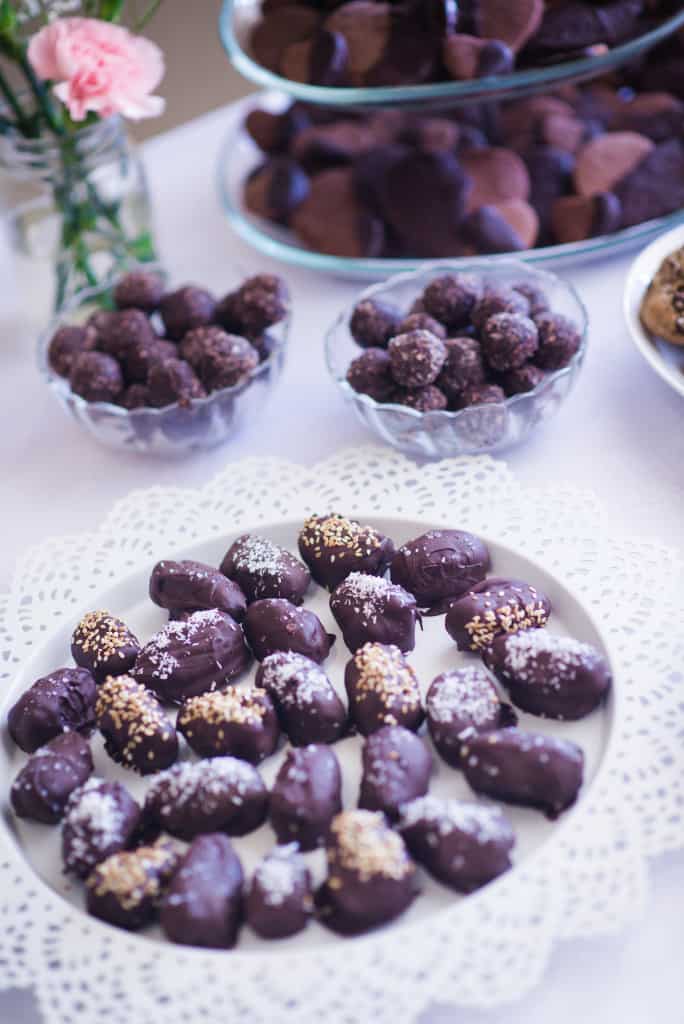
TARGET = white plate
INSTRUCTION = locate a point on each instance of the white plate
(667, 360)
(435, 652)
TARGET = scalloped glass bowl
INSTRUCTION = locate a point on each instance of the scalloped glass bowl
(174, 430)
(477, 429)
(239, 16)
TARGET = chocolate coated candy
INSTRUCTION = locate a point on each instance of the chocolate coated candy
(548, 675)
(121, 330)
(136, 731)
(656, 185)
(416, 358)
(47, 780)
(508, 340)
(67, 343)
(495, 606)
(96, 377)
(141, 356)
(460, 704)
(498, 299)
(242, 723)
(186, 308)
(451, 298)
(259, 303)
(422, 322)
(371, 878)
(280, 900)
(463, 366)
(439, 565)
(382, 689)
(574, 218)
(573, 26)
(172, 381)
(426, 399)
(524, 768)
(101, 819)
(187, 658)
(366, 29)
(333, 546)
(104, 645)
(275, 624)
(221, 794)
(462, 845)
(203, 904)
(333, 220)
(373, 323)
(523, 379)
(125, 889)
(262, 569)
(227, 362)
(275, 189)
(431, 226)
(559, 340)
(370, 374)
(196, 586)
(306, 796)
(64, 701)
(308, 707)
(396, 769)
(371, 609)
(273, 133)
(482, 394)
(139, 289)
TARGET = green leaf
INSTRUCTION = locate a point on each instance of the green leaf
(8, 18)
(111, 10)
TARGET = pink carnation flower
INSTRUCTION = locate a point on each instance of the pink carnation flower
(99, 67)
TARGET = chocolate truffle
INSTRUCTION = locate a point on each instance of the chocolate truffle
(308, 707)
(373, 323)
(259, 303)
(203, 903)
(49, 777)
(382, 689)
(548, 675)
(451, 298)
(369, 374)
(524, 768)
(263, 570)
(416, 358)
(104, 645)
(522, 379)
(495, 606)
(187, 658)
(498, 299)
(535, 296)
(275, 624)
(96, 377)
(67, 343)
(64, 701)
(195, 586)
(422, 322)
(463, 845)
(479, 394)
(120, 331)
(280, 900)
(559, 340)
(439, 566)
(137, 734)
(221, 794)
(171, 382)
(463, 366)
(125, 889)
(136, 396)
(101, 819)
(371, 878)
(396, 769)
(508, 340)
(306, 795)
(185, 309)
(141, 356)
(242, 723)
(228, 361)
(427, 399)
(461, 703)
(139, 289)
(370, 609)
(333, 546)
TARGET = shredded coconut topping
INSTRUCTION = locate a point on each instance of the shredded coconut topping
(279, 873)
(464, 694)
(443, 817)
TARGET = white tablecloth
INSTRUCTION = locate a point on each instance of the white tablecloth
(620, 434)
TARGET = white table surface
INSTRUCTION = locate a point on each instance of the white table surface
(620, 434)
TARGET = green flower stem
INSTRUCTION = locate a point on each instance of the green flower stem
(23, 123)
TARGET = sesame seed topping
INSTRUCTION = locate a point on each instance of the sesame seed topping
(363, 843)
(384, 673)
(243, 707)
(328, 533)
(102, 636)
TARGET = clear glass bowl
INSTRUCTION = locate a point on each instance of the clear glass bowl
(239, 156)
(174, 430)
(239, 16)
(477, 429)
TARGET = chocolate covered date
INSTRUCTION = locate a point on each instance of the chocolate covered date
(262, 569)
(136, 731)
(125, 889)
(42, 788)
(242, 723)
(64, 701)
(461, 703)
(440, 565)
(370, 609)
(104, 645)
(306, 795)
(382, 689)
(308, 707)
(280, 900)
(495, 606)
(101, 819)
(333, 546)
(396, 769)
(195, 586)
(275, 624)
(203, 904)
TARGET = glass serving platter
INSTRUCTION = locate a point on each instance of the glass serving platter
(238, 17)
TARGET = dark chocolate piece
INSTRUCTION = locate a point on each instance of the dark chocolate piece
(463, 845)
(333, 546)
(559, 340)
(430, 227)
(373, 323)
(461, 703)
(549, 675)
(575, 25)
(221, 794)
(308, 707)
(136, 731)
(104, 645)
(139, 289)
(203, 905)
(101, 818)
(125, 889)
(263, 570)
(67, 343)
(306, 795)
(489, 231)
(440, 565)
(187, 658)
(495, 606)
(196, 586)
(242, 723)
(43, 786)
(396, 768)
(275, 189)
(508, 340)
(370, 609)
(524, 768)
(280, 900)
(96, 377)
(382, 689)
(186, 308)
(275, 624)
(451, 298)
(370, 374)
(64, 701)
(171, 382)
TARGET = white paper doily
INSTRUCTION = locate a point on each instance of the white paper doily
(482, 951)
